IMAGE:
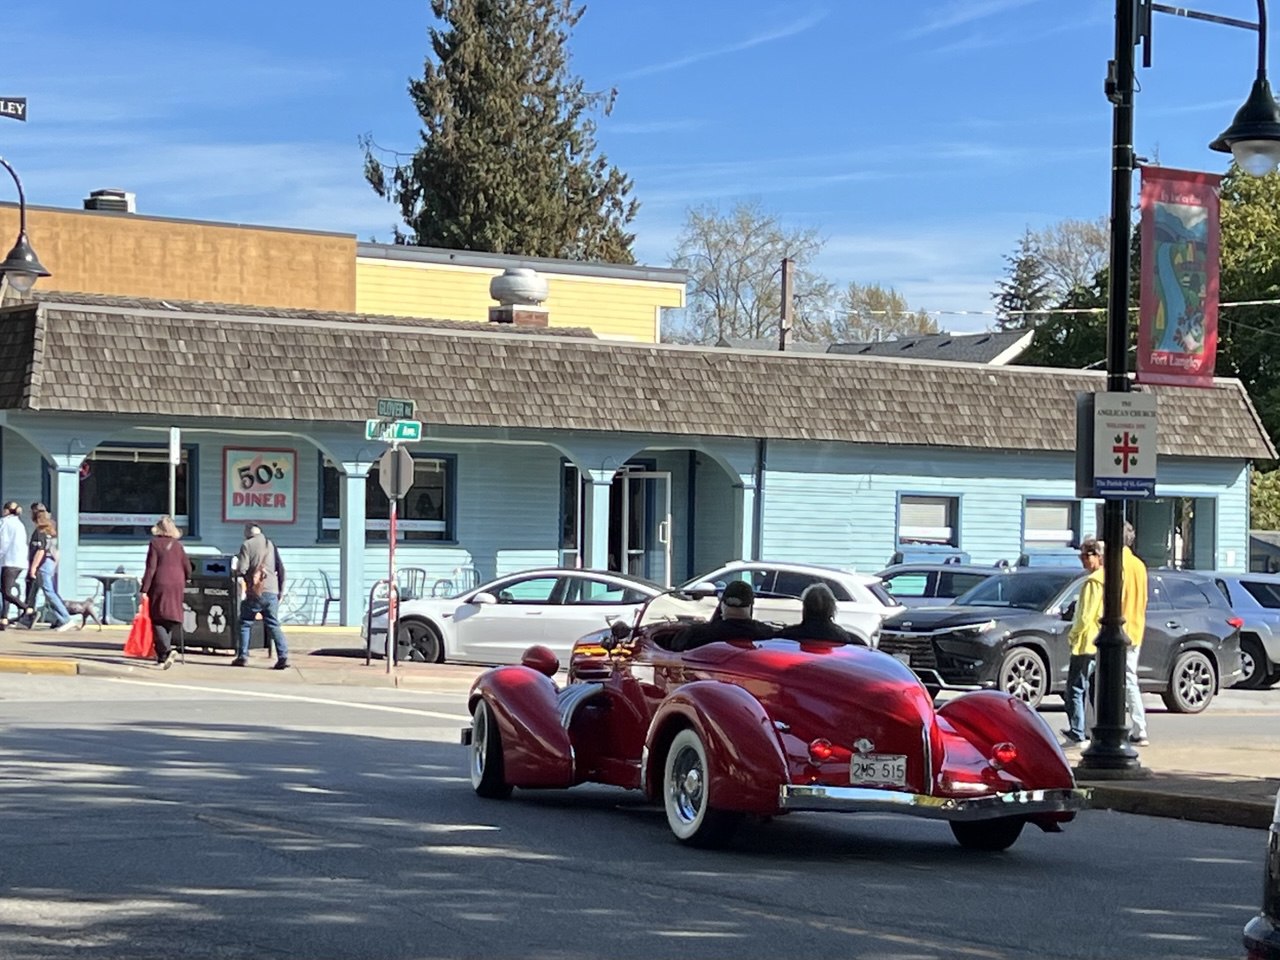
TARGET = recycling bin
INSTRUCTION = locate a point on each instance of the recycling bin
(211, 614)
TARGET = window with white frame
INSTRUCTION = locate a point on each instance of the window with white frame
(125, 490)
(1050, 524)
(929, 521)
(426, 513)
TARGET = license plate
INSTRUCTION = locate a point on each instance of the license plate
(904, 657)
(880, 769)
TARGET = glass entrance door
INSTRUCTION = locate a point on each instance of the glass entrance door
(646, 524)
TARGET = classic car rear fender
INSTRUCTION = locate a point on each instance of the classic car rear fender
(745, 756)
(989, 717)
(536, 750)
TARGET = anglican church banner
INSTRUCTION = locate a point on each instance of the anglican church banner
(1178, 319)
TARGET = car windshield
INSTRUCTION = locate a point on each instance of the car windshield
(676, 606)
(1027, 591)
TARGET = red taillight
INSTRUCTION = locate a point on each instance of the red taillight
(820, 750)
(1236, 622)
(1003, 754)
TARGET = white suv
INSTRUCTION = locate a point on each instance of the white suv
(862, 603)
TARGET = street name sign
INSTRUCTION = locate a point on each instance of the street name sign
(1124, 445)
(393, 431)
(395, 409)
(395, 472)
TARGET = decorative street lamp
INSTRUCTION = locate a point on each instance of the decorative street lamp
(21, 268)
(1254, 140)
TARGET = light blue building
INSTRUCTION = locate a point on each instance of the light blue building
(551, 447)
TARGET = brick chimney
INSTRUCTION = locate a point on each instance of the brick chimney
(520, 293)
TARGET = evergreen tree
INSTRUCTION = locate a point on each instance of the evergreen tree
(508, 160)
(1025, 289)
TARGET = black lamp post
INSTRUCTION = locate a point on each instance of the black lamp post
(1254, 139)
(21, 268)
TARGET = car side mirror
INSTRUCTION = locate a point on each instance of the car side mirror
(483, 598)
(700, 591)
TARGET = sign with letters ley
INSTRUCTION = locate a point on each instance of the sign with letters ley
(1124, 445)
(15, 108)
(259, 486)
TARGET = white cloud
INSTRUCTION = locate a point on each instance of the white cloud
(960, 12)
(769, 36)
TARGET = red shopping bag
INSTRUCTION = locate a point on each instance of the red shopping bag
(141, 643)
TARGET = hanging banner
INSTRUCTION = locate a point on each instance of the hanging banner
(1178, 319)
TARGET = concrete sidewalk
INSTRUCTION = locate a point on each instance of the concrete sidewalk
(1236, 786)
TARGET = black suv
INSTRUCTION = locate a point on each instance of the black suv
(1010, 633)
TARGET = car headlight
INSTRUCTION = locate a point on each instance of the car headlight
(971, 630)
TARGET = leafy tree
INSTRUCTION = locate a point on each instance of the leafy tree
(507, 161)
(734, 262)
(871, 312)
(1264, 500)
(1072, 253)
(1073, 340)
(1025, 289)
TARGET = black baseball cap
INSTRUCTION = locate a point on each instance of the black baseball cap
(738, 594)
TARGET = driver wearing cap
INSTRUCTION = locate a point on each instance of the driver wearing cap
(733, 623)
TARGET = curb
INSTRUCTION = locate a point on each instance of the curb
(65, 668)
(1182, 806)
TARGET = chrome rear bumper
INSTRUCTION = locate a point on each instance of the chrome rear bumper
(1021, 803)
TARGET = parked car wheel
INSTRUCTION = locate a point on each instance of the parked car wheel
(1023, 674)
(486, 755)
(423, 641)
(1191, 684)
(987, 834)
(1254, 661)
(687, 798)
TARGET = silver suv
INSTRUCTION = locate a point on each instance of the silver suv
(1255, 597)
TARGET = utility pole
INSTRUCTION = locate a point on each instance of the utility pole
(785, 321)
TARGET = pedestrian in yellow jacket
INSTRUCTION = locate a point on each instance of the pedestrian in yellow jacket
(1083, 638)
(1133, 604)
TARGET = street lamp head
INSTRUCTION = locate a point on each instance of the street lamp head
(22, 268)
(1253, 138)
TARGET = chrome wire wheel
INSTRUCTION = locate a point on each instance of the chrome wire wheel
(686, 795)
(1024, 675)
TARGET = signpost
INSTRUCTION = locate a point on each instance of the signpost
(15, 108)
(395, 476)
(393, 431)
(1116, 452)
(175, 458)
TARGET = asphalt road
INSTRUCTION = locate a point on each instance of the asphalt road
(142, 820)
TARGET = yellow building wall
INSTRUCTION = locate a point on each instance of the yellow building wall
(618, 308)
(123, 254)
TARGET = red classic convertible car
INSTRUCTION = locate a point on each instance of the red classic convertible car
(764, 727)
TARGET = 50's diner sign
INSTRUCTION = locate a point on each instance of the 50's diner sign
(259, 486)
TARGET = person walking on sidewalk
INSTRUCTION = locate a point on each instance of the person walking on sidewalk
(13, 561)
(259, 567)
(1082, 638)
(1133, 604)
(43, 550)
(164, 583)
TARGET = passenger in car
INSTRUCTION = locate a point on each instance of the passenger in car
(817, 617)
(734, 621)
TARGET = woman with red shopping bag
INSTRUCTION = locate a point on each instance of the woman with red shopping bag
(163, 584)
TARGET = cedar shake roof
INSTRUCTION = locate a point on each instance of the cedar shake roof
(108, 355)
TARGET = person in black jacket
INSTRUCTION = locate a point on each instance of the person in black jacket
(734, 621)
(818, 617)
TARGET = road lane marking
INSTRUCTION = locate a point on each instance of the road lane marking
(378, 707)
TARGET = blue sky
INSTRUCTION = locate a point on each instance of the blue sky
(920, 137)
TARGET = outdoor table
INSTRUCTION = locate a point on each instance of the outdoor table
(107, 579)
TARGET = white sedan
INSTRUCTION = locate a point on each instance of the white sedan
(862, 602)
(497, 621)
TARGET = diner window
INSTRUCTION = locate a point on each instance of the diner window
(425, 514)
(125, 490)
(929, 521)
(1050, 524)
